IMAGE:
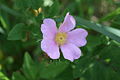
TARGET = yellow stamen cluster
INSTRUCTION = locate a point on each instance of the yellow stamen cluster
(60, 38)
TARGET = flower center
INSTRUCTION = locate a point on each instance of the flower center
(60, 38)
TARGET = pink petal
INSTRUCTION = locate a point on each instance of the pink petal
(78, 37)
(70, 51)
(49, 28)
(68, 24)
(51, 48)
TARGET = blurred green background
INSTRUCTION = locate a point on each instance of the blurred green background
(21, 57)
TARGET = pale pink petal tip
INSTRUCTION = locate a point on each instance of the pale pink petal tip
(49, 28)
(68, 23)
(78, 37)
(70, 52)
(51, 49)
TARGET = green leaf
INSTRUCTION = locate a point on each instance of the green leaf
(108, 31)
(110, 15)
(93, 39)
(82, 66)
(3, 77)
(95, 70)
(67, 74)
(54, 9)
(52, 70)
(9, 10)
(111, 52)
(29, 71)
(18, 32)
(3, 22)
(102, 66)
(18, 76)
(34, 71)
(26, 4)
(100, 71)
(29, 67)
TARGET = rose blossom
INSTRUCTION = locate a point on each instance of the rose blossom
(64, 38)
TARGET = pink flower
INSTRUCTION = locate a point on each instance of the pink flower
(64, 38)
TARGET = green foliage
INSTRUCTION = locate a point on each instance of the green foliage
(25, 4)
(21, 57)
(33, 70)
(29, 68)
(54, 9)
(98, 67)
(108, 31)
(3, 77)
(18, 76)
(18, 32)
(54, 70)
(110, 15)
